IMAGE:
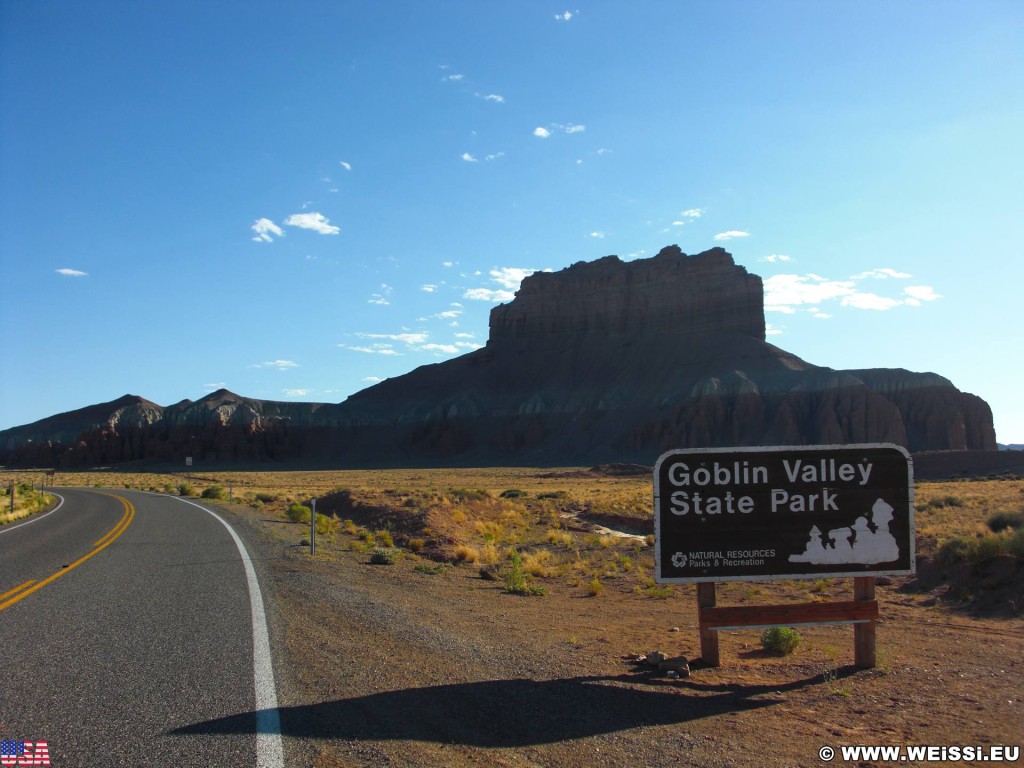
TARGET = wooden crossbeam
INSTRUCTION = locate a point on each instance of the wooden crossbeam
(747, 617)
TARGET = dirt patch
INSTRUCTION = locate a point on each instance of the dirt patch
(399, 665)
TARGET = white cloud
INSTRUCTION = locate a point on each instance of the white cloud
(71, 272)
(494, 156)
(511, 277)
(372, 379)
(314, 221)
(598, 235)
(468, 157)
(376, 298)
(880, 274)
(406, 338)
(346, 166)
(786, 293)
(452, 78)
(281, 365)
(496, 98)
(542, 133)
(692, 213)
(565, 16)
(296, 392)
(775, 258)
(428, 288)
(771, 330)
(465, 335)
(729, 235)
(860, 300)
(919, 293)
(448, 349)
(783, 292)
(486, 294)
(264, 228)
(447, 263)
(375, 349)
(604, 151)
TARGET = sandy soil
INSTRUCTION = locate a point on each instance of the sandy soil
(384, 665)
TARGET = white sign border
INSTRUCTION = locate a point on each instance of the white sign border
(658, 578)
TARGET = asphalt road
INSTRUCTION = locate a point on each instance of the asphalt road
(125, 618)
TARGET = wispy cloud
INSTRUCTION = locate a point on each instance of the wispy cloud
(692, 213)
(489, 294)
(565, 15)
(881, 274)
(544, 133)
(495, 97)
(468, 157)
(509, 280)
(316, 222)
(296, 392)
(381, 298)
(346, 166)
(917, 293)
(730, 234)
(791, 293)
(281, 365)
(428, 288)
(264, 228)
(598, 235)
(775, 258)
(65, 272)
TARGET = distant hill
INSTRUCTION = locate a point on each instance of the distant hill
(605, 361)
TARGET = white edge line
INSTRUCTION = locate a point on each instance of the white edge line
(269, 749)
(15, 526)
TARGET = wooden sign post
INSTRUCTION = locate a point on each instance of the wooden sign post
(750, 514)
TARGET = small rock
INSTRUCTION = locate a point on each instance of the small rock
(654, 658)
(673, 629)
(673, 675)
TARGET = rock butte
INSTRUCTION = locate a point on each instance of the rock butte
(605, 361)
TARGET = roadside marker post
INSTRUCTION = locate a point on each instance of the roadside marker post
(786, 512)
(312, 530)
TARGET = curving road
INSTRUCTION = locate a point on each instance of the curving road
(125, 617)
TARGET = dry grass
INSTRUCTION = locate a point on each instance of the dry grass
(482, 516)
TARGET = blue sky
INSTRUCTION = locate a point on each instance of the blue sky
(295, 200)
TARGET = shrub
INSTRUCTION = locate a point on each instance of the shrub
(463, 495)
(298, 513)
(416, 544)
(781, 640)
(266, 498)
(595, 587)
(513, 493)
(326, 525)
(1000, 521)
(466, 554)
(383, 556)
(215, 492)
(385, 538)
(515, 580)
(184, 489)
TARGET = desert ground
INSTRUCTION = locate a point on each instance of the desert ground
(496, 616)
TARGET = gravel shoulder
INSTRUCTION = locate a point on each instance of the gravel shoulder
(385, 665)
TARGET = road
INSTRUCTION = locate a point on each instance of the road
(125, 618)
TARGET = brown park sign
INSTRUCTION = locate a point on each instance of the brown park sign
(791, 512)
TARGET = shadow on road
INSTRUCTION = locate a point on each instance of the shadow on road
(507, 713)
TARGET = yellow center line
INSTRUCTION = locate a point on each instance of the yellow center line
(103, 543)
(18, 588)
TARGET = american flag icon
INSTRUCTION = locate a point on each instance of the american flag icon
(22, 752)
